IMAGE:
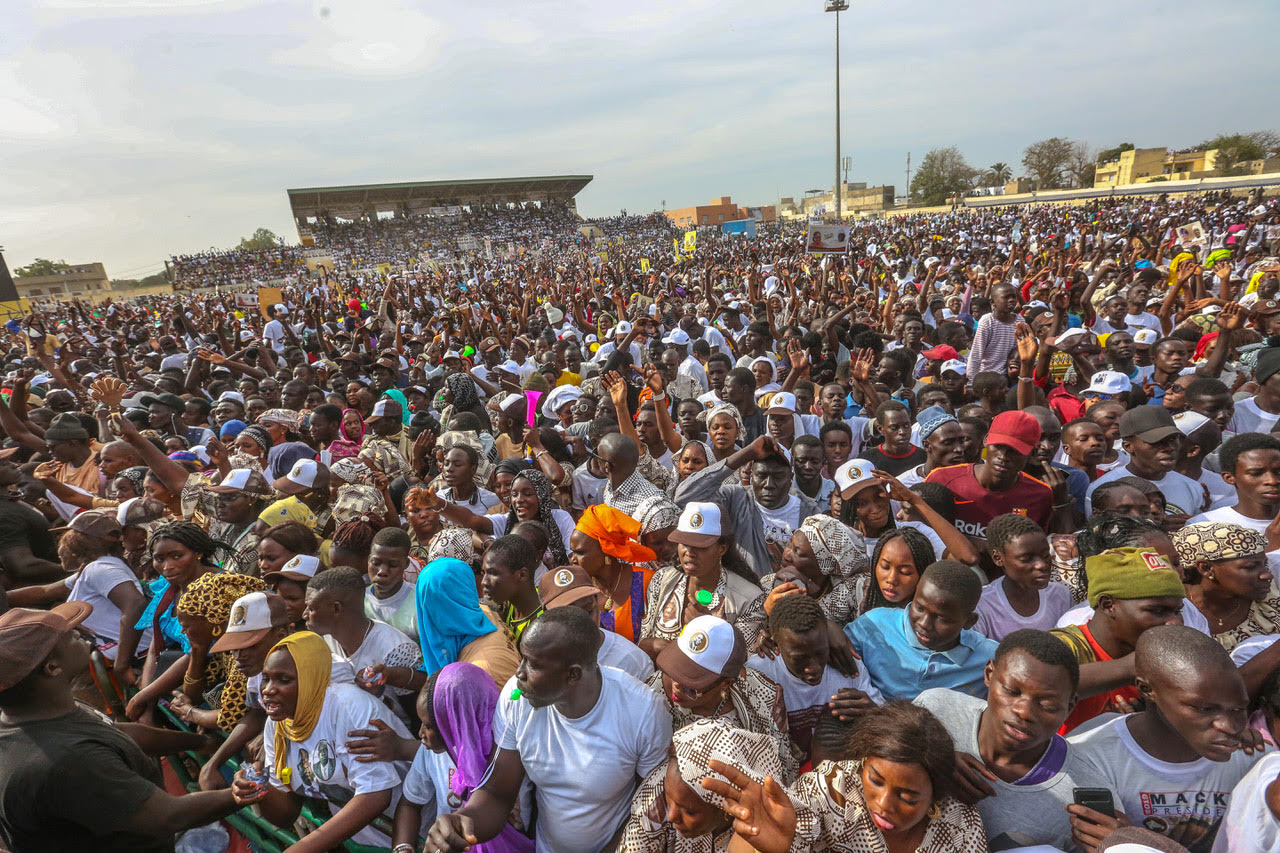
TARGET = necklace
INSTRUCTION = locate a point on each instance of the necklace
(609, 603)
(1222, 620)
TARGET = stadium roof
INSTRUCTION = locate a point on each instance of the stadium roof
(310, 200)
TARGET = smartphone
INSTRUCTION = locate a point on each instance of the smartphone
(1098, 799)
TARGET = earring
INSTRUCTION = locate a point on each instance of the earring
(217, 631)
(935, 811)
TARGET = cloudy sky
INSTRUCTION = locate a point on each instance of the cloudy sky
(134, 129)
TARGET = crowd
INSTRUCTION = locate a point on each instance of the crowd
(964, 539)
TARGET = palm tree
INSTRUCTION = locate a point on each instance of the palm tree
(1001, 173)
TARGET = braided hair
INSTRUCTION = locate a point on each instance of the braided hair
(190, 536)
(922, 554)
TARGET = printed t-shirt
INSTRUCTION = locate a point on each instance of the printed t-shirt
(976, 506)
(807, 702)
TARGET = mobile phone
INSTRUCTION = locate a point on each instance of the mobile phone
(1098, 799)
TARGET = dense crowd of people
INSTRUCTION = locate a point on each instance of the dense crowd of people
(962, 539)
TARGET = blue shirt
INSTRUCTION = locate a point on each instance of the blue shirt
(170, 628)
(901, 668)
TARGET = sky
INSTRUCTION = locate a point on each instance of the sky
(132, 130)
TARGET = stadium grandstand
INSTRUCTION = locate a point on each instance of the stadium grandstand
(426, 198)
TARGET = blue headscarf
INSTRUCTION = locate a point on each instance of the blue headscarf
(449, 614)
(231, 428)
(282, 457)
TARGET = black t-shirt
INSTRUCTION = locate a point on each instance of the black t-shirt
(71, 783)
(894, 465)
(22, 525)
(755, 425)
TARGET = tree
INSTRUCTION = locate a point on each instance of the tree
(40, 266)
(1082, 164)
(263, 238)
(1000, 173)
(1046, 162)
(1235, 148)
(152, 280)
(1110, 154)
(943, 172)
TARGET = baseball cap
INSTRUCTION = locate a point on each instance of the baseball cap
(708, 649)
(699, 525)
(488, 344)
(1069, 335)
(232, 397)
(1018, 430)
(941, 352)
(1109, 382)
(1267, 307)
(92, 522)
(853, 476)
(565, 585)
(305, 475)
(954, 365)
(678, 337)
(382, 408)
(1188, 422)
(623, 328)
(252, 617)
(453, 353)
(242, 480)
(782, 403)
(1131, 573)
(302, 567)
(136, 512)
(27, 636)
(1145, 337)
(1151, 424)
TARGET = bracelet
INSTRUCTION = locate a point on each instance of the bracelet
(186, 679)
(1025, 379)
(540, 454)
(661, 396)
(402, 847)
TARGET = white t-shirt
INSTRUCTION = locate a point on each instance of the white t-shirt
(427, 783)
(1221, 493)
(93, 584)
(563, 520)
(997, 618)
(693, 368)
(321, 761)
(385, 645)
(1249, 825)
(1158, 795)
(620, 653)
(587, 798)
(588, 489)
(1249, 418)
(806, 702)
(399, 610)
(1180, 492)
(480, 502)
(340, 672)
(782, 522)
(273, 333)
(1145, 320)
(1082, 613)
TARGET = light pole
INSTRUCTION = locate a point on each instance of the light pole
(837, 6)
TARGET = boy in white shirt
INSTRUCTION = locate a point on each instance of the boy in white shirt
(390, 598)
(810, 686)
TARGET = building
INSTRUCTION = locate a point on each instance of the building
(719, 211)
(81, 281)
(1143, 165)
(854, 199)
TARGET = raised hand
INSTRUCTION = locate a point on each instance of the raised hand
(617, 388)
(797, 356)
(108, 391)
(1232, 317)
(1028, 346)
(762, 815)
(862, 366)
(654, 380)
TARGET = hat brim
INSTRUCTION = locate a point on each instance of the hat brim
(74, 612)
(850, 491)
(1011, 441)
(234, 640)
(675, 663)
(697, 540)
(285, 486)
(569, 596)
(291, 576)
(778, 410)
(1156, 434)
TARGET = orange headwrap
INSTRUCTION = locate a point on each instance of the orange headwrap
(617, 533)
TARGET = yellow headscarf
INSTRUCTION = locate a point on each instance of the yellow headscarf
(1177, 262)
(311, 657)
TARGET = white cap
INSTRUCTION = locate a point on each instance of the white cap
(281, 309)
(623, 328)
(954, 365)
(1145, 337)
(453, 353)
(1188, 422)
(1211, 309)
(678, 337)
(931, 261)
(250, 620)
(1260, 210)
(304, 472)
(237, 478)
(714, 647)
(233, 396)
(782, 403)
(559, 396)
(510, 400)
(1108, 382)
(1070, 335)
(301, 567)
(948, 314)
(699, 525)
(381, 409)
(853, 475)
(510, 367)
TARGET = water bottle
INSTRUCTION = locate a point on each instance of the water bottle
(211, 838)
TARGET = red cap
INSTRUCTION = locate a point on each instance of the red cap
(941, 353)
(1018, 430)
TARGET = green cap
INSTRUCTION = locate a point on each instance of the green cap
(1131, 573)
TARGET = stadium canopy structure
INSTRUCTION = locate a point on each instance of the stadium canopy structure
(370, 200)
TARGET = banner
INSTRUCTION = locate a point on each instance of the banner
(690, 242)
(746, 227)
(384, 269)
(675, 245)
(826, 238)
(10, 305)
(268, 296)
(644, 265)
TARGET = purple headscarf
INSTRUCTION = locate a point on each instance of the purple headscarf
(462, 703)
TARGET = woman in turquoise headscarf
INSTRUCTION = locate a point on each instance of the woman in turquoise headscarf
(454, 626)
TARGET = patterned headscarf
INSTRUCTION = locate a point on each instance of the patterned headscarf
(657, 512)
(698, 743)
(840, 550)
(259, 436)
(287, 418)
(731, 410)
(135, 474)
(1212, 541)
(546, 504)
(352, 471)
(453, 542)
(463, 389)
(358, 502)
(211, 595)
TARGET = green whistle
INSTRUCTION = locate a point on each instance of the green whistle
(516, 694)
(704, 597)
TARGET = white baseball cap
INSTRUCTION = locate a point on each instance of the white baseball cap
(231, 396)
(699, 525)
(453, 353)
(306, 474)
(954, 365)
(1145, 337)
(1188, 422)
(1110, 382)
(252, 617)
(623, 328)
(853, 476)
(678, 337)
(382, 408)
(1069, 335)
(708, 650)
(510, 400)
(782, 403)
(302, 567)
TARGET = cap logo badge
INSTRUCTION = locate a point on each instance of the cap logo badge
(239, 614)
(698, 642)
(695, 520)
(293, 563)
(1155, 562)
(564, 577)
